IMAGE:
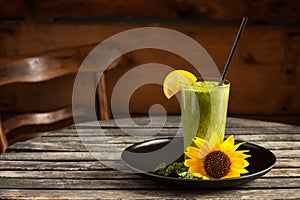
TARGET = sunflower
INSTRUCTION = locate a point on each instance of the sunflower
(220, 160)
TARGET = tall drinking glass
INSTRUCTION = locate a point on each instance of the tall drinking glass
(204, 110)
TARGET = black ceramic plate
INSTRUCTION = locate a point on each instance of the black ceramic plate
(145, 156)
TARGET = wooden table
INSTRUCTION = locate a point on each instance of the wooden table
(58, 165)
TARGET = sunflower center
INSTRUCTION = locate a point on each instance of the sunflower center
(217, 164)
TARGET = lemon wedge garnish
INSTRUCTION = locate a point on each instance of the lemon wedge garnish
(175, 79)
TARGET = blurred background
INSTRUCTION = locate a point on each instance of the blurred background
(265, 71)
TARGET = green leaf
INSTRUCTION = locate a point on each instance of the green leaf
(176, 169)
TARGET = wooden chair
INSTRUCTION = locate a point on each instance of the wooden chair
(35, 71)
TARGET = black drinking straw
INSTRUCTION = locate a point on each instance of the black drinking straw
(236, 41)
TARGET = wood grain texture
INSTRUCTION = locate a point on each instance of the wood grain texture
(149, 194)
(105, 174)
(268, 51)
(59, 165)
(172, 122)
(127, 184)
(191, 9)
(77, 146)
(40, 74)
(56, 166)
(264, 50)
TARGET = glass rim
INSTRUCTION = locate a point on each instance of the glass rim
(226, 83)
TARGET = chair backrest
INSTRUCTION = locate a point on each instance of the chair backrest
(32, 71)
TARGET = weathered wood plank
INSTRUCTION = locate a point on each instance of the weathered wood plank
(111, 174)
(103, 155)
(287, 153)
(284, 172)
(120, 184)
(287, 162)
(173, 121)
(47, 156)
(117, 138)
(98, 143)
(266, 130)
(233, 122)
(62, 165)
(200, 9)
(99, 175)
(96, 165)
(250, 130)
(292, 193)
(279, 145)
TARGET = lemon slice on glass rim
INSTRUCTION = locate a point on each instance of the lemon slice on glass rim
(174, 80)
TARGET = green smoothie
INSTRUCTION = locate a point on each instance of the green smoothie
(204, 110)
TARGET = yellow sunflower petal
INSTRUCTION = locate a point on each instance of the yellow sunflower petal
(191, 162)
(229, 141)
(243, 171)
(246, 163)
(239, 155)
(194, 169)
(202, 170)
(243, 151)
(228, 144)
(238, 145)
(198, 175)
(246, 156)
(232, 174)
(203, 146)
(192, 152)
(237, 165)
(199, 142)
(235, 172)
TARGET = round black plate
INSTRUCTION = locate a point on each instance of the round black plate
(135, 157)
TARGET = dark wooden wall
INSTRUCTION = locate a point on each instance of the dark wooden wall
(265, 72)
